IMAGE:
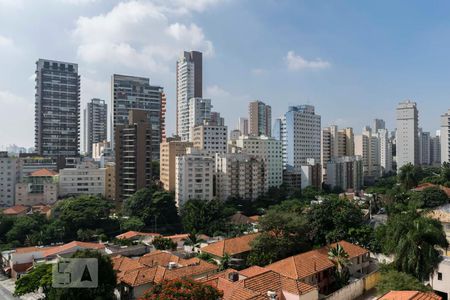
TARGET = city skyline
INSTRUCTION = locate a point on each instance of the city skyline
(304, 66)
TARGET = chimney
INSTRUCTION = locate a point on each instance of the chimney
(172, 265)
(233, 276)
(272, 295)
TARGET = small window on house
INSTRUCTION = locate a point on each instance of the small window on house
(439, 276)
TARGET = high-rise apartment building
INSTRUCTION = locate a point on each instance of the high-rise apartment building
(301, 136)
(240, 175)
(385, 151)
(170, 149)
(260, 119)
(311, 174)
(199, 112)
(424, 147)
(95, 124)
(110, 181)
(189, 85)
(407, 136)
(445, 137)
(336, 143)
(435, 148)
(367, 147)
(9, 176)
(346, 173)
(57, 108)
(133, 151)
(211, 138)
(270, 150)
(377, 125)
(194, 173)
(130, 92)
(243, 126)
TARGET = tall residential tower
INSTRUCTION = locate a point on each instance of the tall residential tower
(407, 134)
(95, 124)
(189, 85)
(260, 119)
(57, 108)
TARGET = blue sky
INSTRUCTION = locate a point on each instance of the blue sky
(353, 60)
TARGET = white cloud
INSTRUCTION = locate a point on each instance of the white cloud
(140, 34)
(77, 2)
(296, 62)
(20, 126)
(6, 42)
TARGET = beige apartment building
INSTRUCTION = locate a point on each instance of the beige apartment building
(211, 138)
(336, 143)
(39, 187)
(260, 118)
(169, 150)
(240, 175)
(110, 181)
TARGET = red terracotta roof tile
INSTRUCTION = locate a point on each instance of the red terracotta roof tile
(132, 234)
(16, 210)
(43, 173)
(231, 246)
(410, 295)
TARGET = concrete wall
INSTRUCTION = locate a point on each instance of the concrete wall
(356, 288)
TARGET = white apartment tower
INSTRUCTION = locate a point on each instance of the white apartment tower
(301, 136)
(367, 146)
(210, 137)
(189, 85)
(385, 151)
(199, 112)
(86, 179)
(445, 134)
(407, 134)
(194, 173)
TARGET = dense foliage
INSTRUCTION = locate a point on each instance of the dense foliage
(392, 280)
(41, 276)
(413, 240)
(162, 243)
(201, 216)
(182, 290)
(155, 208)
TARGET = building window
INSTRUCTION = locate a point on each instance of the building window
(439, 276)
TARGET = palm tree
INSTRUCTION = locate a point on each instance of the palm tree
(225, 262)
(415, 248)
(409, 176)
(193, 240)
(341, 260)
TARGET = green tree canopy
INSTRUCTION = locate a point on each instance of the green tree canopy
(41, 276)
(83, 212)
(413, 240)
(392, 280)
(203, 216)
(428, 198)
(162, 243)
(284, 233)
(410, 176)
(182, 289)
(154, 208)
(132, 224)
(332, 220)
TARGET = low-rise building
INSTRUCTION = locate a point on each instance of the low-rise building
(439, 280)
(39, 187)
(237, 248)
(315, 268)
(194, 174)
(86, 179)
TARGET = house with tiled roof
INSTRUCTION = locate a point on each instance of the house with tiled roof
(20, 260)
(16, 210)
(260, 283)
(135, 276)
(442, 214)
(410, 295)
(238, 248)
(146, 237)
(39, 187)
(315, 268)
(426, 185)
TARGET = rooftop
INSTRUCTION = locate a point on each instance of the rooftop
(231, 246)
(410, 295)
(43, 173)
